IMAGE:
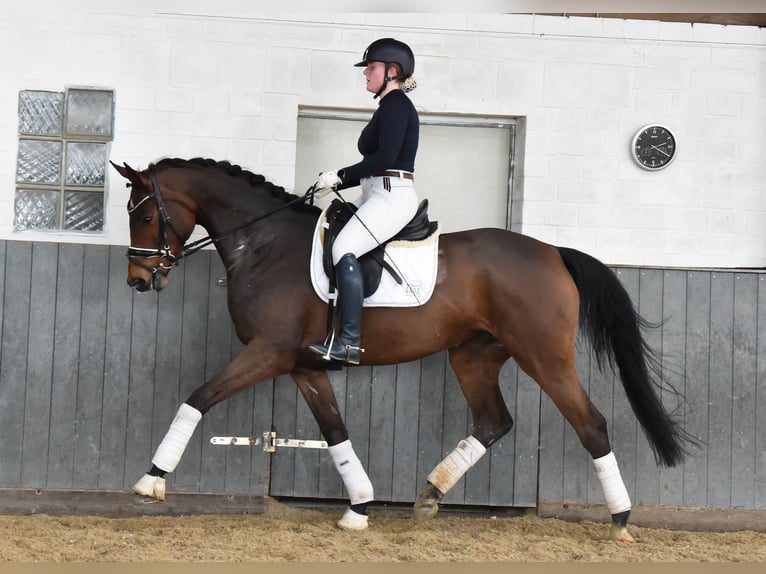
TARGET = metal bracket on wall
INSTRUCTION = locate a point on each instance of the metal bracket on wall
(269, 441)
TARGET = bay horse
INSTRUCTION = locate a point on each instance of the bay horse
(498, 295)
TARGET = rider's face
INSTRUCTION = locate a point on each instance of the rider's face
(375, 72)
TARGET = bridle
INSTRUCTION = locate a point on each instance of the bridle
(136, 255)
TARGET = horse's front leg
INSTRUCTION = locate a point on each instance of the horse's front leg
(256, 363)
(316, 388)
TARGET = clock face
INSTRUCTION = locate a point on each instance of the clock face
(654, 147)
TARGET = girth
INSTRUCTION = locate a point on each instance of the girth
(372, 262)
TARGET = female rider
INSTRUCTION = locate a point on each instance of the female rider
(388, 144)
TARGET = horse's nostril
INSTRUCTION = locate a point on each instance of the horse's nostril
(136, 282)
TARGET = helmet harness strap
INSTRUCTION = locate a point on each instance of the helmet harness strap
(386, 79)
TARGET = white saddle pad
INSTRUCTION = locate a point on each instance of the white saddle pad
(414, 261)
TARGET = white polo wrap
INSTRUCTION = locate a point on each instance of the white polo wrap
(456, 464)
(173, 445)
(350, 468)
(615, 493)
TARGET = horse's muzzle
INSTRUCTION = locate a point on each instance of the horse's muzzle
(142, 280)
(139, 284)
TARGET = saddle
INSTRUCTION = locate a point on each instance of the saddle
(373, 262)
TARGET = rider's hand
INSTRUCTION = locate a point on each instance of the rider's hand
(328, 180)
(320, 193)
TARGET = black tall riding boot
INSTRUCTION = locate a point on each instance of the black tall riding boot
(345, 347)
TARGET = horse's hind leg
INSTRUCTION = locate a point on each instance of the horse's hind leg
(477, 364)
(317, 391)
(558, 378)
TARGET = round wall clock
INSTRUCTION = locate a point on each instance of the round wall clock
(653, 147)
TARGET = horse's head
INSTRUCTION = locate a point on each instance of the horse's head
(157, 232)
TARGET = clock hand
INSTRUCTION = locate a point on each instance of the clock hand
(660, 150)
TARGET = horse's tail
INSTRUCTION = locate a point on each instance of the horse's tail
(613, 326)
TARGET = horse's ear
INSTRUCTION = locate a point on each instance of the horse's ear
(127, 172)
(124, 170)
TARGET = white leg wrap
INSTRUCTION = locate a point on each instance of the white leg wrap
(456, 464)
(173, 445)
(350, 468)
(615, 493)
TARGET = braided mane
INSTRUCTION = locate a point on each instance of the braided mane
(233, 170)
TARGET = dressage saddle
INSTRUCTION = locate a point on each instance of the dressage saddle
(373, 262)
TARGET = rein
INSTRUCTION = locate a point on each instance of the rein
(164, 252)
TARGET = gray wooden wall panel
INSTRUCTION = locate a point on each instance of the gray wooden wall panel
(37, 402)
(3, 252)
(650, 307)
(673, 340)
(711, 342)
(114, 411)
(697, 386)
(760, 393)
(13, 369)
(382, 399)
(744, 398)
(68, 314)
(405, 487)
(719, 434)
(91, 375)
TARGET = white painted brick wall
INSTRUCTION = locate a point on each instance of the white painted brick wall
(230, 88)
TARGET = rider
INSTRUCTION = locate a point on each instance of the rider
(388, 144)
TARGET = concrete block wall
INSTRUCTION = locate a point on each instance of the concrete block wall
(229, 87)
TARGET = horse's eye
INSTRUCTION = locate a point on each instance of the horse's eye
(148, 219)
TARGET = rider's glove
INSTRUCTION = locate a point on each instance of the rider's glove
(327, 181)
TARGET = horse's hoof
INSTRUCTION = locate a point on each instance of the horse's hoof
(425, 509)
(151, 486)
(352, 521)
(621, 534)
(427, 504)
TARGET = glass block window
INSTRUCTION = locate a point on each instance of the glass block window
(40, 113)
(88, 113)
(61, 165)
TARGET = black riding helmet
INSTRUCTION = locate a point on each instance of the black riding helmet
(389, 51)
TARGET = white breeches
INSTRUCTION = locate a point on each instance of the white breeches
(386, 205)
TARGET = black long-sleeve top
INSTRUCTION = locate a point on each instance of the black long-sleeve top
(388, 141)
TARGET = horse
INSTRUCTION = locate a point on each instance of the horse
(498, 294)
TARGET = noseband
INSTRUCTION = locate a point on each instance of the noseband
(137, 254)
